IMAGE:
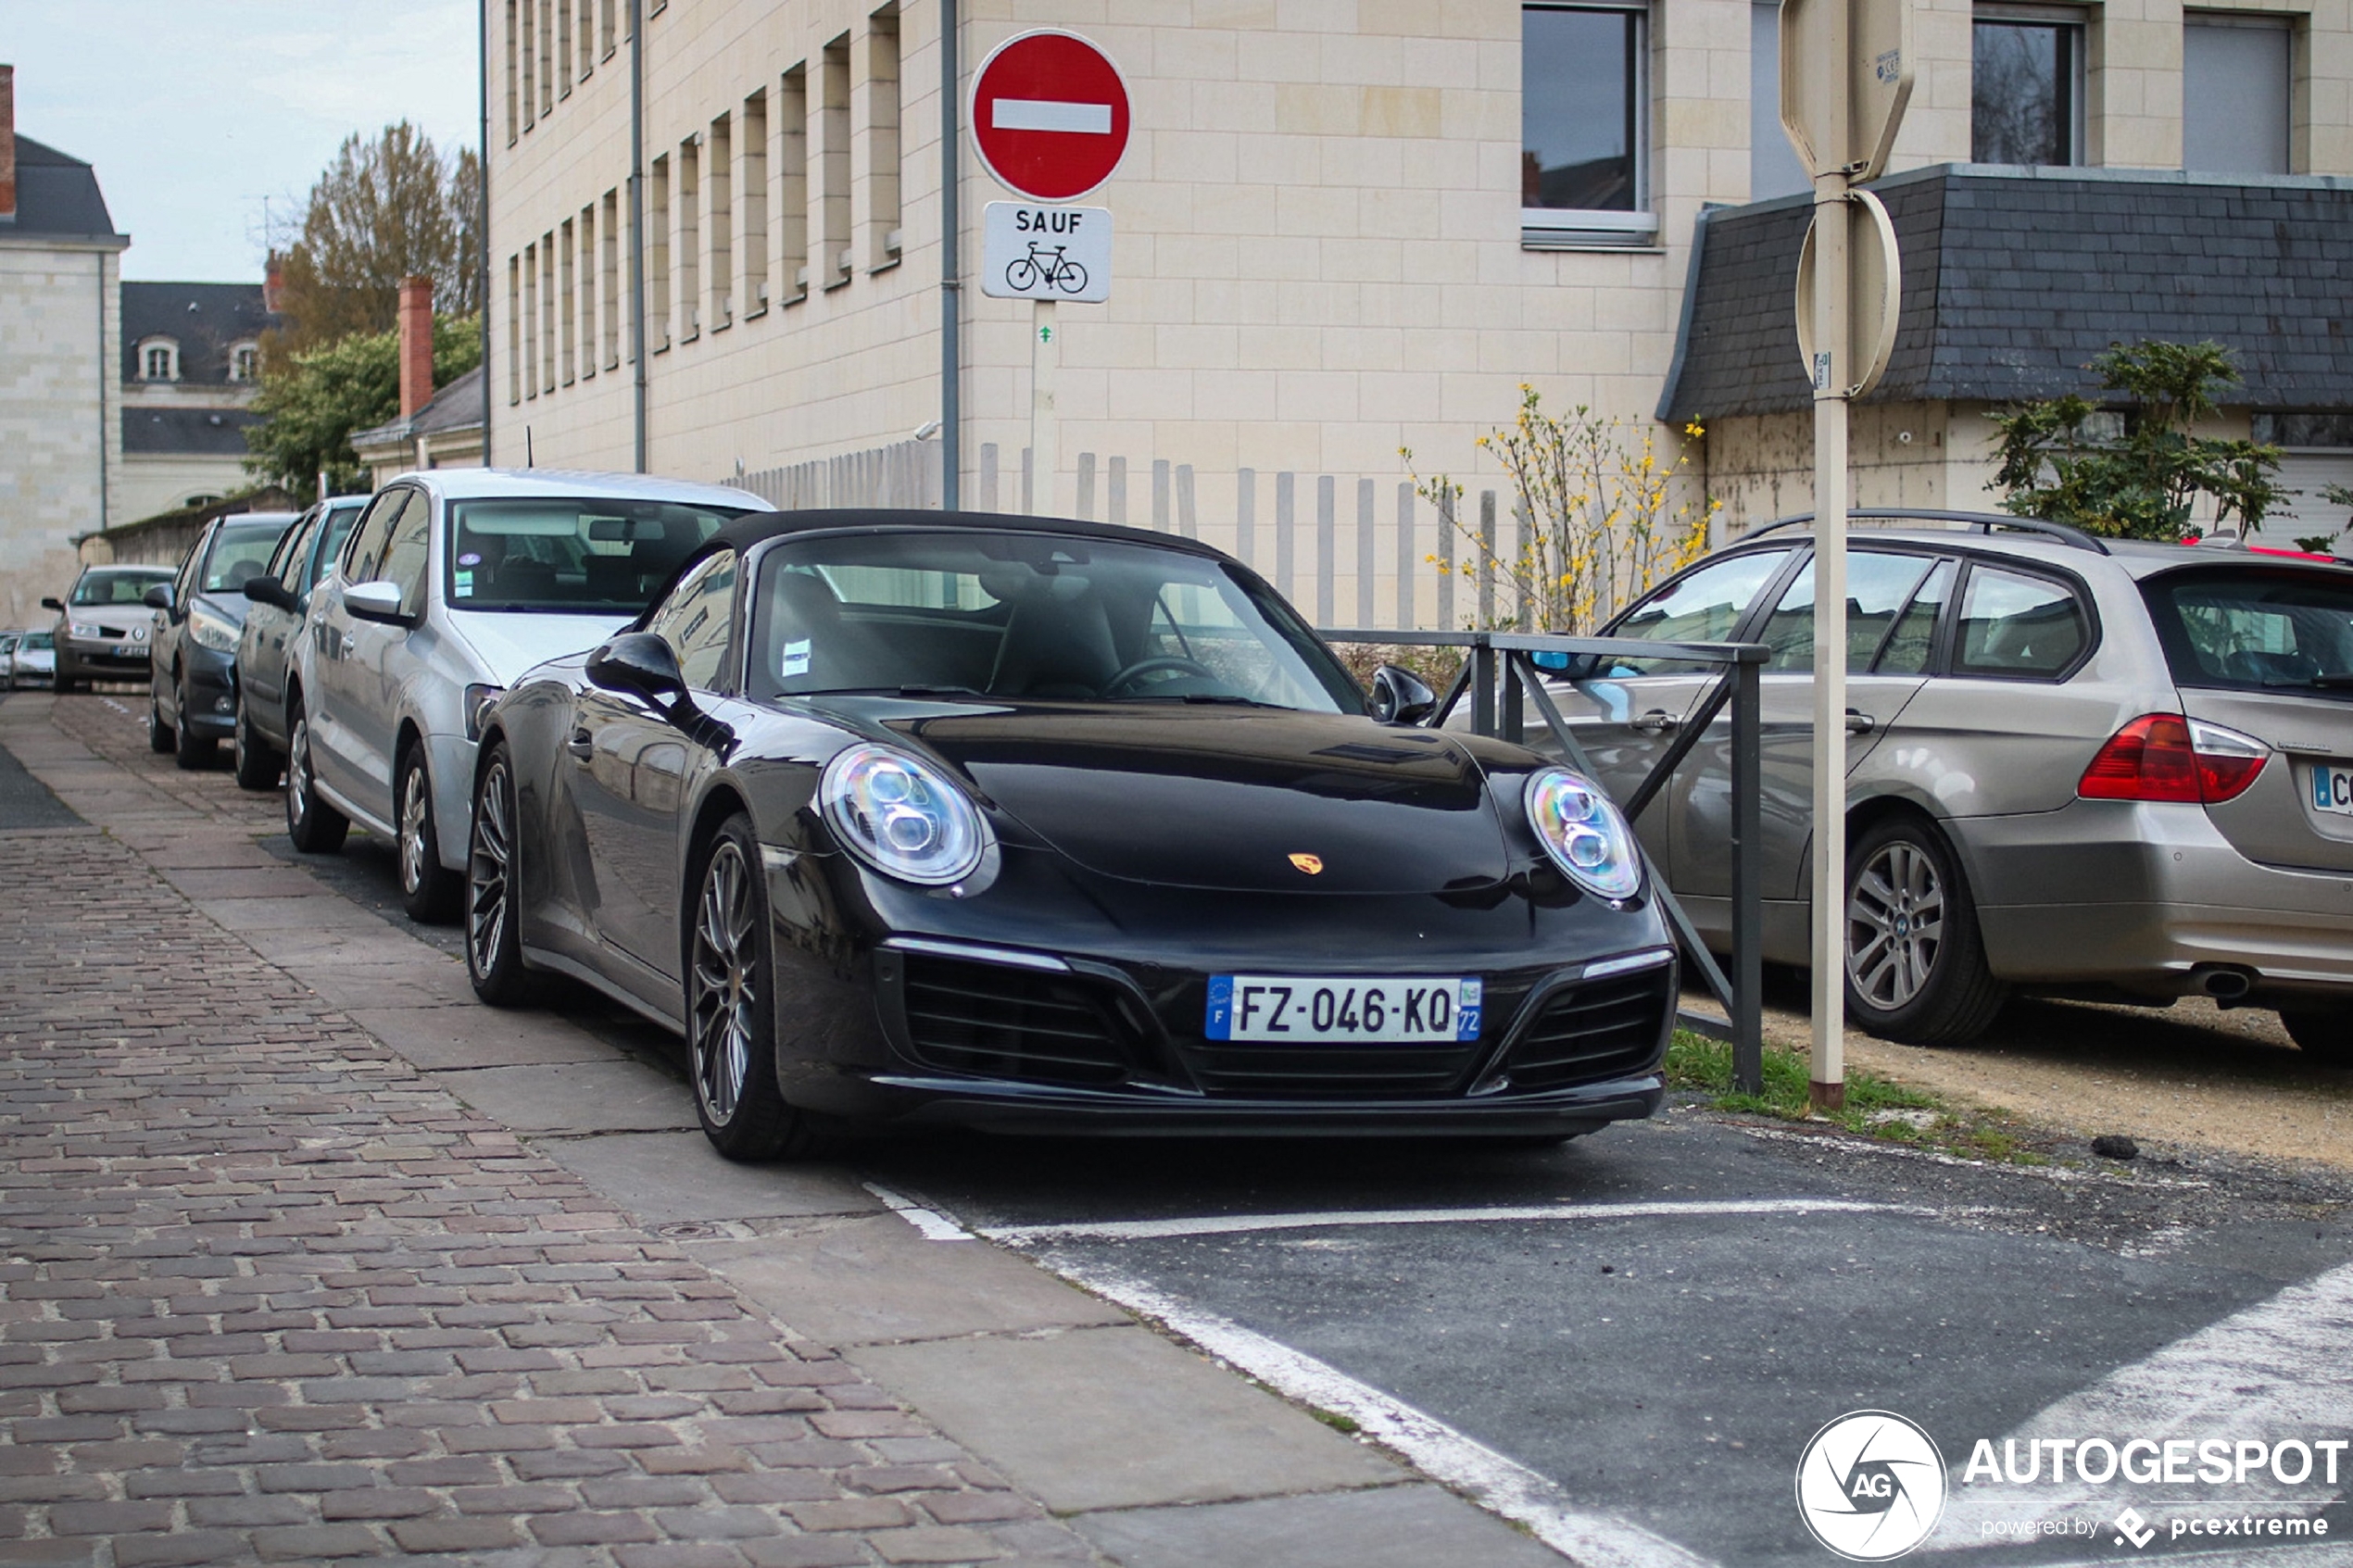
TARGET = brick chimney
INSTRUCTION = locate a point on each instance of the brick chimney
(273, 283)
(416, 345)
(8, 143)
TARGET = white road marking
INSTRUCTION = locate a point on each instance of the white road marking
(1233, 1224)
(934, 1225)
(1937, 1157)
(1497, 1482)
(2277, 1370)
(1045, 114)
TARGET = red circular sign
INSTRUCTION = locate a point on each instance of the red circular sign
(1049, 115)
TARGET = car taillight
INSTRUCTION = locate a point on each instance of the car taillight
(2166, 757)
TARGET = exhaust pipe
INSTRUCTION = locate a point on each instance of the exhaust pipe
(2227, 986)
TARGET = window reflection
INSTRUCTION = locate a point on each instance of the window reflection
(2022, 93)
(1578, 102)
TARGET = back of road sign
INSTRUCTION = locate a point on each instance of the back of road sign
(1847, 123)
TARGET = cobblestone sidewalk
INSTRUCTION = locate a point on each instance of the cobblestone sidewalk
(268, 1294)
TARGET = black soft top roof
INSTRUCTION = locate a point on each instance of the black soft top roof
(757, 527)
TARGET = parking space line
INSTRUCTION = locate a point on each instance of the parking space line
(934, 1225)
(2276, 1370)
(1495, 1481)
(1233, 1224)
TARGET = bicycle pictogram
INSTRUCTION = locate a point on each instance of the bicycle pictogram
(1047, 266)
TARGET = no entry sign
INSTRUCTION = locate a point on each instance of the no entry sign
(1049, 115)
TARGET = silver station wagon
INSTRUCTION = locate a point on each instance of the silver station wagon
(2104, 769)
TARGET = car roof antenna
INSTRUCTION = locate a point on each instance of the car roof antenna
(526, 449)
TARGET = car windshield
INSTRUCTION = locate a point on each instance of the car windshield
(2256, 630)
(118, 584)
(240, 550)
(1036, 616)
(571, 553)
(37, 640)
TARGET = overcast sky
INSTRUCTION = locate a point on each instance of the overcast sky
(195, 110)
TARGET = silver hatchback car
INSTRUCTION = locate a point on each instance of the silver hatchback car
(451, 583)
(2094, 767)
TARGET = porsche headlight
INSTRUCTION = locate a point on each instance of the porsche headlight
(903, 816)
(215, 632)
(1584, 832)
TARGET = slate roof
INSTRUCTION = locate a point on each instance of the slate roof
(208, 432)
(205, 319)
(2013, 279)
(459, 406)
(58, 197)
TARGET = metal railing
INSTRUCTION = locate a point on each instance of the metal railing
(1503, 681)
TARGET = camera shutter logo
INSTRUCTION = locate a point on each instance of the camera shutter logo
(1870, 1485)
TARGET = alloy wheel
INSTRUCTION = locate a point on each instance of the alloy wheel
(489, 870)
(298, 772)
(1894, 924)
(414, 803)
(726, 978)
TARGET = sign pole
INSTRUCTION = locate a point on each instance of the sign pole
(1827, 1085)
(1045, 358)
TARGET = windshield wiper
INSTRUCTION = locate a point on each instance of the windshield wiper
(2336, 681)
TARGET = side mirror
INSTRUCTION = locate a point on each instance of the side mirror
(267, 590)
(638, 662)
(374, 601)
(58, 605)
(157, 597)
(1401, 697)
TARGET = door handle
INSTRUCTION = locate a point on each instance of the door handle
(350, 641)
(1657, 721)
(581, 745)
(1859, 723)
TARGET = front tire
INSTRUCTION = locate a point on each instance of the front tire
(1916, 968)
(494, 940)
(316, 827)
(160, 736)
(2326, 1037)
(731, 1006)
(189, 749)
(257, 762)
(428, 890)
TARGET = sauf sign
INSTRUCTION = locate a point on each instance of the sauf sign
(1049, 119)
(1046, 252)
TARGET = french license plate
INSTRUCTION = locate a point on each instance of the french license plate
(1359, 1009)
(2333, 787)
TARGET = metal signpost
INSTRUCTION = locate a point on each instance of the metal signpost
(1049, 119)
(1846, 76)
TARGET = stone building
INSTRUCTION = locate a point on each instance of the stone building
(60, 441)
(1352, 227)
(191, 365)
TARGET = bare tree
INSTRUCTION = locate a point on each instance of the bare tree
(385, 209)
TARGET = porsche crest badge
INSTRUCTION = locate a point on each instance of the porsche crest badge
(1312, 864)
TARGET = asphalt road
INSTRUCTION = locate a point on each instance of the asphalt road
(1665, 1368)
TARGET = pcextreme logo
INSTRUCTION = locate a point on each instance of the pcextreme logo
(1870, 1485)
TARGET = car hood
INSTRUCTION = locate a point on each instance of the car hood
(231, 607)
(509, 641)
(1238, 800)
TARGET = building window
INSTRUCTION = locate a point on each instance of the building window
(567, 292)
(551, 306)
(1584, 113)
(1773, 169)
(515, 112)
(159, 359)
(588, 301)
(530, 63)
(561, 63)
(720, 180)
(2235, 75)
(658, 254)
(752, 159)
(244, 362)
(531, 320)
(610, 269)
(515, 319)
(882, 136)
(792, 182)
(2026, 88)
(833, 164)
(690, 250)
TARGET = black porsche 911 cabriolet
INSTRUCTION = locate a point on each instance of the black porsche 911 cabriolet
(913, 817)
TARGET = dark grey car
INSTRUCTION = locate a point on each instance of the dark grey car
(192, 679)
(280, 597)
(2105, 768)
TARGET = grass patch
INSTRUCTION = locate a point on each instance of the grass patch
(1696, 1063)
(1335, 1421)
